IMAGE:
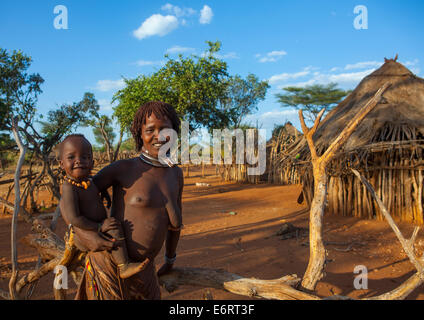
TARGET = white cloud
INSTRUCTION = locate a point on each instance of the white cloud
(206, 15)
(363, 65)
(346, 80)
(143, 63)
(105, 105)
(229, 55)
(109, 85)
(288, 76)
(177, 11)
(179, 49)
(277, 113)
(272, 56)
(411, 63)
(267, 120)
(345, 77)
(156, 24)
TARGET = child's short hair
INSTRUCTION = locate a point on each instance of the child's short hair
(73, 135)
(161, 110)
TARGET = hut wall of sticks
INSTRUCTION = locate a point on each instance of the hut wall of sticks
(387, 148)
(277, 148)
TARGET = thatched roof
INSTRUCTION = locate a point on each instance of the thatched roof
(402, 106)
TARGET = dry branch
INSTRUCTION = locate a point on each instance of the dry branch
(20, 178)
(280, 289)
(14, 254)
(407, 245)
(315, 269)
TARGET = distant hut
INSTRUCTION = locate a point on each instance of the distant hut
(387, 148)
(282, 138)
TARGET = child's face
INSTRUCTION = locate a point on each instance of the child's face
(150, 134)
(76, 158)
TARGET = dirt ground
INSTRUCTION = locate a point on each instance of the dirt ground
(233, 227)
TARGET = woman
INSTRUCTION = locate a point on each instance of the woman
(146, 200)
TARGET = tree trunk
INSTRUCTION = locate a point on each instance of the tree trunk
(315, 269)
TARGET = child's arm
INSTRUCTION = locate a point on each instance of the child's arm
(71, 210)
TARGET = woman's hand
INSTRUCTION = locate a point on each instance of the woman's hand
(101, 244)
(92, 241)
(109, 224)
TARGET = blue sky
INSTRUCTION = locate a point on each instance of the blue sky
(286, 42)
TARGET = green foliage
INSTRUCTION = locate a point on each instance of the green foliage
(243, 96)
(6, 143)
(108, 129)
(61, 121)
(18, 98)
(199, 88)
(18, 89)
(311, 99)
(128, 145)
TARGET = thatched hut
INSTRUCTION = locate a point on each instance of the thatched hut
(281, 140)
(387, 148)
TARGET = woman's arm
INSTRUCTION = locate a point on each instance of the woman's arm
(70, 209)
(173, 235)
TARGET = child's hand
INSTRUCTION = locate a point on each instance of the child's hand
(98, 243)
(109, 224)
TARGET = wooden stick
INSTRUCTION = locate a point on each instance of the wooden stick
(315, 269)
(14, 254)
(401, 292)
(280, 289)
(406, 244)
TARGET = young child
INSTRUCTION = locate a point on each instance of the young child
(82, 205)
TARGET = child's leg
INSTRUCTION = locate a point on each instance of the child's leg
(120, 256)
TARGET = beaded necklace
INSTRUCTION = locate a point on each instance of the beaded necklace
(82, 184)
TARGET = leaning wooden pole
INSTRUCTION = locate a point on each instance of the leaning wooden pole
(315, 269)
(14, 254)
(407, 244)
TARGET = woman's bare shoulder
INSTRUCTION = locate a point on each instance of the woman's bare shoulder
(120, 165)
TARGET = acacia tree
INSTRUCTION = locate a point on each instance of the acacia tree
(311, 99)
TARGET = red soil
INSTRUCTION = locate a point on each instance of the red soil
(245, 243)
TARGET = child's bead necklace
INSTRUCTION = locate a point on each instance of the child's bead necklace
(82, 184)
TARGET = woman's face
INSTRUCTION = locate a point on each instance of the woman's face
(150, 134)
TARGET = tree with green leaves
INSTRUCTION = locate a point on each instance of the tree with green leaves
(243, 96)
(19, 92)
(312, 99)
(195, 86)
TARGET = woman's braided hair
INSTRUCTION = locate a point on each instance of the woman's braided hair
(161, 110)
